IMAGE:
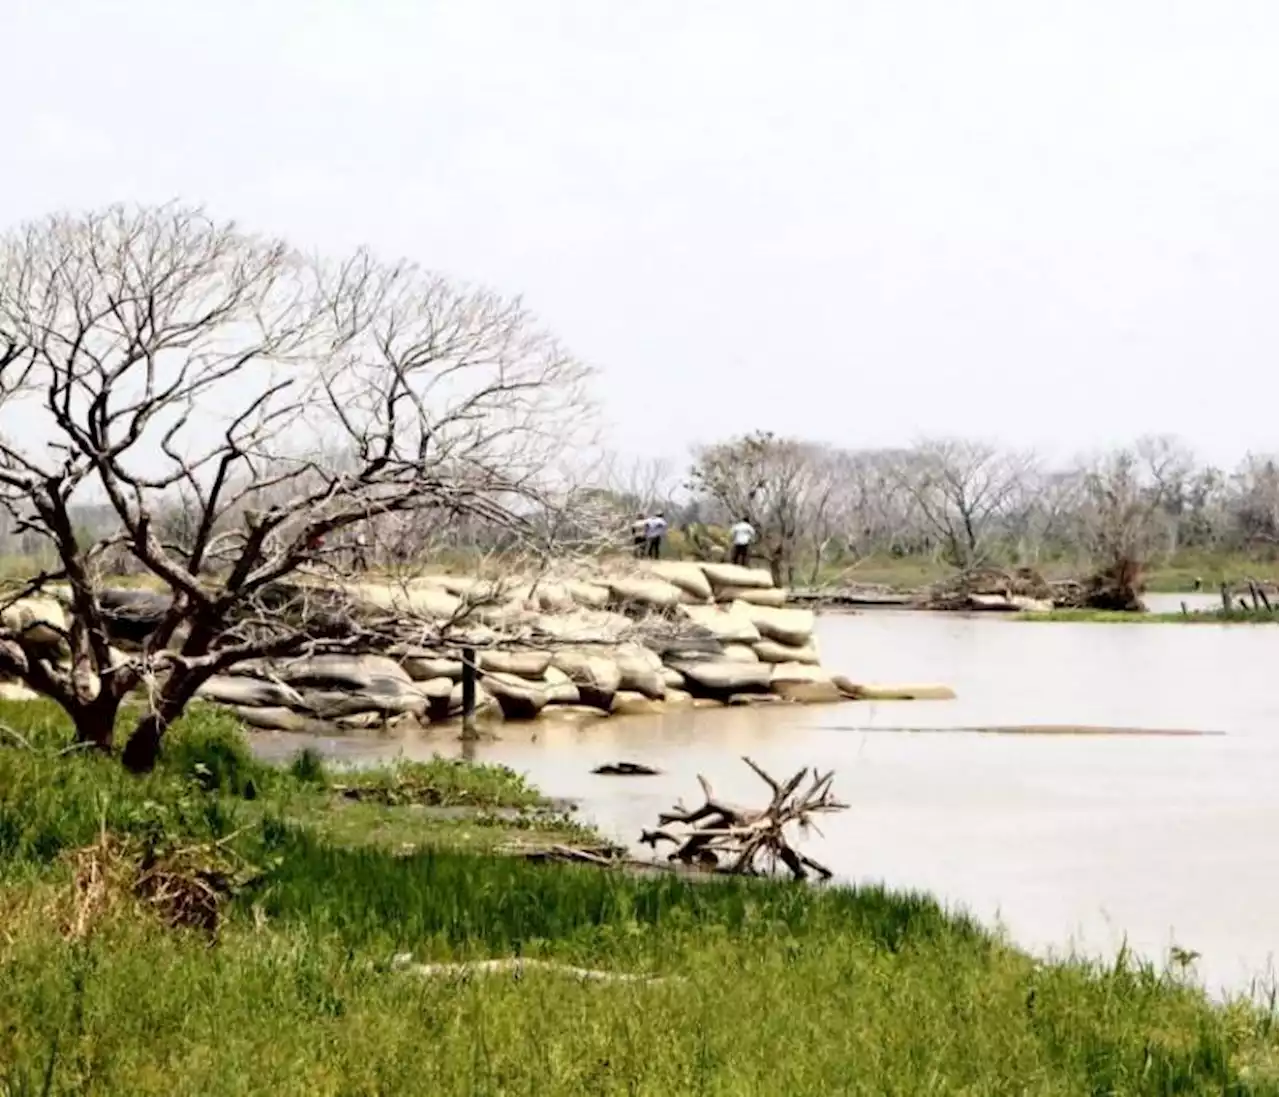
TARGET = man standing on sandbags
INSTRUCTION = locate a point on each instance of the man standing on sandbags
(741, 534)
(655, 529)
(639, 535)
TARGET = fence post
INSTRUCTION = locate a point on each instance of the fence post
(468, 693)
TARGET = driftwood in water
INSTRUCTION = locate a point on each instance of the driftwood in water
(742, 841)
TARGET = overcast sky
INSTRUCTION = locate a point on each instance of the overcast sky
(1049, 224)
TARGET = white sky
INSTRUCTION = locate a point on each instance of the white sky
(1049, 224)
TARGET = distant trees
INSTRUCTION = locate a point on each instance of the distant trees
(968, 502)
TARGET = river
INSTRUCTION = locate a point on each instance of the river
(1067, 841)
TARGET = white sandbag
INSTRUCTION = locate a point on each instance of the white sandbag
(587, 595)
(553, 598)
(720, 677)
(584, 625)
(40, 621)
(338, 671)
(739, 653)
(231, 689)
(862, 692)
(642, 593)
(756, 596)
(523, 664)
(422, 600)
(272, 719)
(518, 698)
(821, 692)
(734, 575)
(435, 689)
(596, 676)
(629, 703)
(16, 691)
(641, 670)
(689, 577)
(727, 626)
(787, 626)
(797, 672)
(423, 667)
(672, 679)
(770, 651)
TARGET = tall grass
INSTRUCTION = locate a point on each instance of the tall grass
(771, 988)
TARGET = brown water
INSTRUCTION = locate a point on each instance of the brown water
(1067, 841)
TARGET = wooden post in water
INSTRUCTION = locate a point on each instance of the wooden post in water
(1226, 597)
(468, 693)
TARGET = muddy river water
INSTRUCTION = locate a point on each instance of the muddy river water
(1067, 841)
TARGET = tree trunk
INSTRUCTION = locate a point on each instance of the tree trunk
(95, 723)
(142, 751)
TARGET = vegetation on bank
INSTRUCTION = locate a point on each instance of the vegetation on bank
(1199, 617)
(106, 987)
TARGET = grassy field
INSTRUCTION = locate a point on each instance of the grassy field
(764, 988)
(1116, 617)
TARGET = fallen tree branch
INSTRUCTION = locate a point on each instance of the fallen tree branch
(517, 966)
(742, 841)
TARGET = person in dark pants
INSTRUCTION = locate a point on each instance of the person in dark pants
(741, 535)
(655, 529)
(639, 534)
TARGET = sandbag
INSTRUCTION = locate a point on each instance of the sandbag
(425, 600)
(425, 667)
(518, 698)
(689, 577)
(672, 679)
(719, 678)
(435, 689)
(640, 671)
(39, 621)
(787, 626)
(677, 698)
(727, 626)
(245, 692)
(756, 596)
(739, 653)
(629, 703)
(587, 595)
(584, 625)
(339, 672)
(797, 672)
(770, 651)
(487, 707)
(861, 692)
(642, 593)
(824, 692)
(523, 664)
(596, 676)
(734, 575)
(561, 692)
(16, 691)
(553, 598)
(272, 719)
(385, 697)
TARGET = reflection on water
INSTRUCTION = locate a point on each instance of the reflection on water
(1064, 839)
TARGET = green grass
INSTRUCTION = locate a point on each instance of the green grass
(1116, 617)
(772, 987)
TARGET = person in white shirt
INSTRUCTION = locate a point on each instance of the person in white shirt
(655, 529)
(741, 533)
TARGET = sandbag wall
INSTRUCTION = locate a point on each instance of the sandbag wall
(740, 644)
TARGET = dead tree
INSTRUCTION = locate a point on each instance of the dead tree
(742, 841)
(155, 359)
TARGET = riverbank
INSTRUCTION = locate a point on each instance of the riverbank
(840, 989)
(1217, 616)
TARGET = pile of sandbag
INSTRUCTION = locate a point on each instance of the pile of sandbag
(730, 638)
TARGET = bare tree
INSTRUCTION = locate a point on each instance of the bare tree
(1122, 518)
(155, 358)
(780, 485)
(962, 490)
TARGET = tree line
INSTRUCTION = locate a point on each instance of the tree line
(965, 503)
